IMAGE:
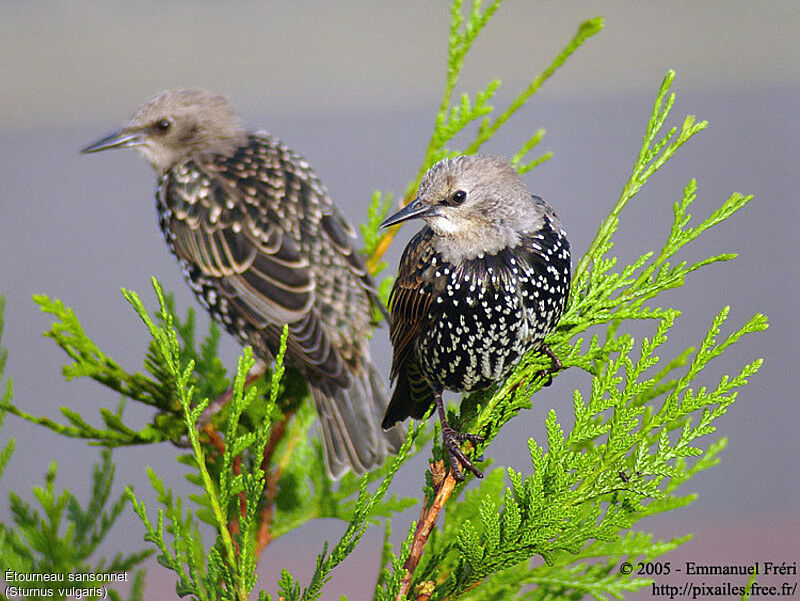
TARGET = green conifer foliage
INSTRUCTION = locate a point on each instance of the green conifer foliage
(642, 424)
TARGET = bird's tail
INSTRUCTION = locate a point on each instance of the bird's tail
(350, 421)
(412, 397)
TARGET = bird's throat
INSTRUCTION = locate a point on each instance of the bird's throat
(457, 245)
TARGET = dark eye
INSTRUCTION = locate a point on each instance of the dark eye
(162, 126)
(458, 197)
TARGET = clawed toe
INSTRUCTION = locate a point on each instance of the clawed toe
(545, 373)
(451, 439)
(462, 436)
(556, 367)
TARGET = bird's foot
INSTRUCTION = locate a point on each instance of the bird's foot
(554, 368)
(451, 439)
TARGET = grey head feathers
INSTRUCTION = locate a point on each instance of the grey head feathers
(178, 124)
(477, 205)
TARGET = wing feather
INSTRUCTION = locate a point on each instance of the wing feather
(412, 297)
(235, 231)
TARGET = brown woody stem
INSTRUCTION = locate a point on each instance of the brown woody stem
(427, 520)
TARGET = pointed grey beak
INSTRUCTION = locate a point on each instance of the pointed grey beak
(416, 208)
(119, 139)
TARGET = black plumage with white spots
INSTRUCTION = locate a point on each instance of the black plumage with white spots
(478, 287)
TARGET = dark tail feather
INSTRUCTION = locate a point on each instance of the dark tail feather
(349, 418)
(395, 436)
(412, 397)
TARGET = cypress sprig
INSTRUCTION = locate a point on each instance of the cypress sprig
(232, 558)
(63, 538)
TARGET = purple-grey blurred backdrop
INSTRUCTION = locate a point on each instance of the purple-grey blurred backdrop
(353, 86)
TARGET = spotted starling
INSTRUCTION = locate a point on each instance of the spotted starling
(262, 245)
(479, 286)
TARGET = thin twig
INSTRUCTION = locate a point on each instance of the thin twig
(264, 536)
(277, 434)
(219, 403)
(468, 588)
(427, 520)
(383, 245)
(216, 441)
(233, 526)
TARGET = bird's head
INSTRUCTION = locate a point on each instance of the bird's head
(177, 124)
(475, 204)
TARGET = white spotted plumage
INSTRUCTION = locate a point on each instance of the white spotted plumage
(472, 298)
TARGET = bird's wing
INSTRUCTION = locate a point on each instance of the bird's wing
(291, 196)
(413, 296)
(226, 219)
(324, 219)
(342, 236)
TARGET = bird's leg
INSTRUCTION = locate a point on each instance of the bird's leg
(555, 367)
(215, 406)
(451, 439)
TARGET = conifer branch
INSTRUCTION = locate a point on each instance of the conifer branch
(592, 483)
(637, 433)
(264, 536)
(443, 486)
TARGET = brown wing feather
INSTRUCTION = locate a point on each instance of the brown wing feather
(228, 230)
(342, 235)
(413, 294)
(262, 246)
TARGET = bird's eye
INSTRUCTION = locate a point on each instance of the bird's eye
(458, 197)
(162, 126)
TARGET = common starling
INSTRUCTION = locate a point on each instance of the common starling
(479, 286)
(262, 245)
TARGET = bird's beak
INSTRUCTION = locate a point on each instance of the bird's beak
(119, 139)
(416, 208)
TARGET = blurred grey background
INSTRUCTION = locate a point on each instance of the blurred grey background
(354, 86)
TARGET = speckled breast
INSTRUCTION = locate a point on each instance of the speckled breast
(493, 310)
